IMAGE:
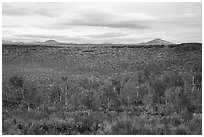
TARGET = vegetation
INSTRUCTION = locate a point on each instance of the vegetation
(108, 91)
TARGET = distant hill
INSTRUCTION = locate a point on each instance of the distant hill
(186, 46)
(6, 42)
(11, 42)
(106, 43)
(47, 43)
(52, 42)
(156, 42)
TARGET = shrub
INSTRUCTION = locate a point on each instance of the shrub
(160, 83)
(195, 125)
(32, 97)
(142, 92)
(90, 99)
(12, 92)
(11, 96)
(16, 81)
(173, 79)
(181, 130)
(54, 94)
(178, 98)
(10, 127)
(108, 95)
(88, 123)
(130, 92)
(122, 128)
(89, 83)
(117, 126)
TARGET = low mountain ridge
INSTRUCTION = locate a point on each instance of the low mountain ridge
(156, 42)
(11, 42)
(52, 42)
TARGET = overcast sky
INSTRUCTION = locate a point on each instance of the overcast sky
(102, 22)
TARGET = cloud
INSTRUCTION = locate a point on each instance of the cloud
(110, 24)
(12, 26)
(16, 10)
(46, 37)
(101, 19)
(39, 36)
(107, 35)
(43, 12)
(95, 22)
(12, 11)
(187, 21)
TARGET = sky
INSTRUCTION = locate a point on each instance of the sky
(102, 22)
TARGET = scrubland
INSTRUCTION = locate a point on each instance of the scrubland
(102, 90)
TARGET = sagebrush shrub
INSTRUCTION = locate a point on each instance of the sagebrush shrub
(11, 96)
(32, 97)
(16, 81)
(130, 92)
